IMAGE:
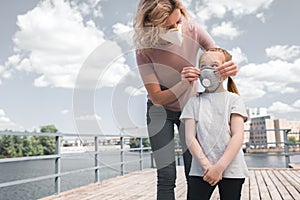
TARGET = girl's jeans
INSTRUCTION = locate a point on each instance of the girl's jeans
(160, 123)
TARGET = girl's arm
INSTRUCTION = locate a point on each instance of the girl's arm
(193, 144)
(214, 174)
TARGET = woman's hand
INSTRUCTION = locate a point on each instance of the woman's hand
(229, 68)
(190, 73)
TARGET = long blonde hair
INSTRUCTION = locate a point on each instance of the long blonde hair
(231, 86)
(150, 18)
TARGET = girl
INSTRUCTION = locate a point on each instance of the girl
(214, 127)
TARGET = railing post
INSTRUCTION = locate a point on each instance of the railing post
(97, 172)
(152, 159)
(57, 164)
(122, 155)
(178, 157)
(286, 147)
(141, 153)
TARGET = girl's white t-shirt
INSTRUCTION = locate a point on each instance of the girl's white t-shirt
(212, 111)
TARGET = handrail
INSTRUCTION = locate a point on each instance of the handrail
(57, 156)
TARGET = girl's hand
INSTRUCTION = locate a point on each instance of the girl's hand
(213, 174)
(190, 73)
(229, 68)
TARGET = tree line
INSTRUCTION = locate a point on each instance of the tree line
(19, 146)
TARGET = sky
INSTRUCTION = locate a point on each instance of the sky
(71, 63)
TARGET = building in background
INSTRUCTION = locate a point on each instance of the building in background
(263, 130)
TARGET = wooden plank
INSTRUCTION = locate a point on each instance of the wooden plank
(245, 194)
(215, 195)
(292, 178)
(291, 184)
(263, 191)
(295, 174)
(261, 184)
(270, 185)
(254, 191)
(128, 187)
(280, 182)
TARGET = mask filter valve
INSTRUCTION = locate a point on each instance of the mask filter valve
(206, 82)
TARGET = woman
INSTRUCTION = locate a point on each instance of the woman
(167, 46)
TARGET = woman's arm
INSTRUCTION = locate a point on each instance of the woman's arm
(193, 144)
(163, 97)
(158, 96)
(214, 174)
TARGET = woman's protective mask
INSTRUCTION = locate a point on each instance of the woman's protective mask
(174, 35)
(208, 78)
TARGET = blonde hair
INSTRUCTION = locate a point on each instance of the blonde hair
(231, 86)
(150, 18)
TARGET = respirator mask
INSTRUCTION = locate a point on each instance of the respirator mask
(173, 35)
(208, 78)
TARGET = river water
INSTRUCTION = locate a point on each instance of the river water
(110, 167)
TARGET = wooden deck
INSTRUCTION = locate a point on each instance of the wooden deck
(265, 184)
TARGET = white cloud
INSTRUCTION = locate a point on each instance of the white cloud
(283, 52)
(255, 80)
(218, 8)
(238, 56)
(281, 108)
(54, 41)
(2, 69)
(225, 30)
(7, 123)
(90, 117)
(120, 28)
(132, 91)
(297, 103)
(65, 112)
(13, 60)
(105, 67)
(90, 7)
(246, 7)
(116, 71)
(5, 72)
(262, 17)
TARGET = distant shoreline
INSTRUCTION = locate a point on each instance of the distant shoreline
(276, 150)
(74, 149)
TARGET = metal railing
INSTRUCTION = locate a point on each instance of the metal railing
(285, 143)
(57, 157)
(96, 168)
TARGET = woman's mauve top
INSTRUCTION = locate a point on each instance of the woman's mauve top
(163, 64)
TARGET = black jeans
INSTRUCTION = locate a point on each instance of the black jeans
(160, 123)
(229, 188)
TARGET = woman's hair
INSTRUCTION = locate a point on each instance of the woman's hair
(231, 86)
(150, 18)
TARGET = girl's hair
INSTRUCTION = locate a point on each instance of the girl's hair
(231, 86)
(150, 18)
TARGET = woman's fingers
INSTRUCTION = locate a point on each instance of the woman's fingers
(227, 69)
(190, 73)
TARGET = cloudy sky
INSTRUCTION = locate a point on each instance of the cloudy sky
(52, 50)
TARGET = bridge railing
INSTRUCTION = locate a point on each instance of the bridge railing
(58, 155)
(96, 167)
